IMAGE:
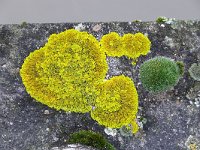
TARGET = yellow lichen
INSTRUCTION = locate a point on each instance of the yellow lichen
(117, 103)
(130, 45)
(130, 129)
(193, 146)
(65, 72)
(111, 44)
(68, 73)
(135, 45)
(134, 126)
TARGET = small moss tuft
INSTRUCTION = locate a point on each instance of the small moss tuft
(161, 19)
(23, 24)
(181, 67)
(90, 138)
(136, 21)
(159, 74)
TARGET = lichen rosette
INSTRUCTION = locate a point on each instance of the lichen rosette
(65, 72)
(117, 103)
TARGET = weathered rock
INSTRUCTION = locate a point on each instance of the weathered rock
(73, 147)
(26, 124)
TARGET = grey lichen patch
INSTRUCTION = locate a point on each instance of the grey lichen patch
(178, 24)
(194, 71)
(194, 43)
(124, 131)
(193, 95)
(190, 38)
(11, 68)
(169, 42)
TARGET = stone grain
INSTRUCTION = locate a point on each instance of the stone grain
(170, 118)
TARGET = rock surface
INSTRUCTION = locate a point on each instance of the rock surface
(172, 119)
(73, 147)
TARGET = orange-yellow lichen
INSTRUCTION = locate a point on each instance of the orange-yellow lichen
(117, 103)
(111, 44)
(135, 45)
(131, 45)
(68, 73)
(65, 72)
(134, 127)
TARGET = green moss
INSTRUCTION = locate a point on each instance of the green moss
(159, 74)
(90, 138)
(23, 24)
(181, 67)
(164, 20)
(136, 21)
(194, 71)
(161, 19)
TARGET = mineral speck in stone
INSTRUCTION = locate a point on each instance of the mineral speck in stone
(110, 131)
(80, 27)
(96, 28)
(46, 112)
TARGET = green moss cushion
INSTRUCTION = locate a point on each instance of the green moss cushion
(159, 74)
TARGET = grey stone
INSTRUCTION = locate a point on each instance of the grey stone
(73, 147)
(26, 124)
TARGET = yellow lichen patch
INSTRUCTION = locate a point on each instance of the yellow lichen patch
(111, 44)
(68, 73)
(135, 45)
(130, 45)
(193, 146)
(117, 103)
(144, 41)
(134, 126)
(131, 128)
(65, 72)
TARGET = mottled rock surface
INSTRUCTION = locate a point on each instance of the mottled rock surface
(73, 147)
(172, 119)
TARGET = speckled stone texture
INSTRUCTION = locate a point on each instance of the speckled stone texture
(172, 117)
(73, 147)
